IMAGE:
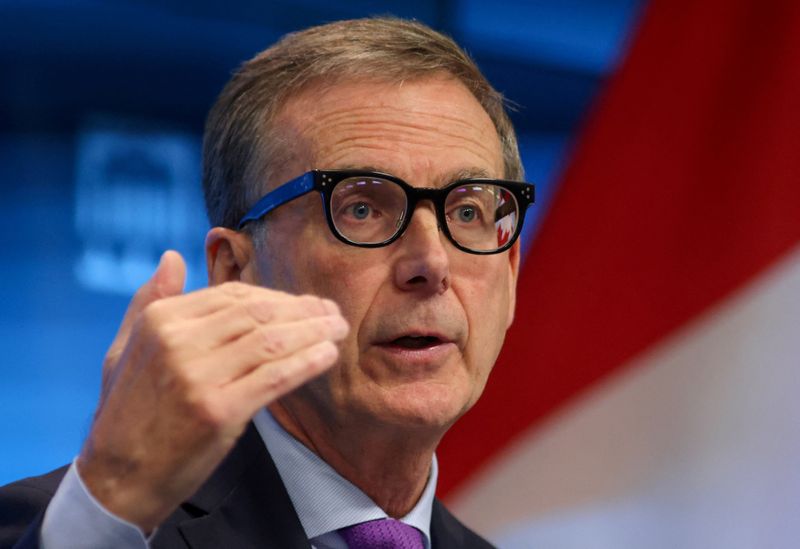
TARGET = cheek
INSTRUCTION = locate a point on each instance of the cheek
(350, 276)
(483, 290)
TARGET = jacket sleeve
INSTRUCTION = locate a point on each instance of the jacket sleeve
(22, 507)
(56, 510)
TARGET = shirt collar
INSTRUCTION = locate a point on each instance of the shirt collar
(324, 500)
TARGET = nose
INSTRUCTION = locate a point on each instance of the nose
(423, 264)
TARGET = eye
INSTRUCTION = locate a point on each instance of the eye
(361, 211)
(466, 214)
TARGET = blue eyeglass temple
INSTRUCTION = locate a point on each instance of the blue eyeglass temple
(288, 191)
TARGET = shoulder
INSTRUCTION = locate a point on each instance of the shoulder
(23, 502)
(448, 532)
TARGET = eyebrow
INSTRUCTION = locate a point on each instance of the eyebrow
(457, 175)
(468, 173)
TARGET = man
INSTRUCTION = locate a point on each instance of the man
(352, 330)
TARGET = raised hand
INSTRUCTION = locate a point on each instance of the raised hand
(185, 374)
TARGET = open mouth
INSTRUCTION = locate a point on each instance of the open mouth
(415, 342)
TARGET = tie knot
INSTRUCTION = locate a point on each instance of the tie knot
(382, 534)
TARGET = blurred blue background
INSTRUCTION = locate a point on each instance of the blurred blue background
(101, 112)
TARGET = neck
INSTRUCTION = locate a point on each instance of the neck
(390, 466)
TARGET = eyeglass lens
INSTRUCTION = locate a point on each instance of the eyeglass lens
(480, 216)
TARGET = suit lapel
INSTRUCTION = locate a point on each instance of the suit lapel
(243, 505)
(448, 533)
(445, 531)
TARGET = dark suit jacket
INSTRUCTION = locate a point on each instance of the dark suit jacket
(243, 505)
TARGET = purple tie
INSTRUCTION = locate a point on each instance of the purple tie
(382, 534)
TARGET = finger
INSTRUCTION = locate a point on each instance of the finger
(237, 319)
(272, 380)
(266, 343)
(168, 280)
(216, 298)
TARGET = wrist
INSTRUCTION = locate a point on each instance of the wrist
(114, 483)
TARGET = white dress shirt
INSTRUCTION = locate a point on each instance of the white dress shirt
(323, 499)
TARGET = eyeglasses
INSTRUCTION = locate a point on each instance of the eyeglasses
(373, 209)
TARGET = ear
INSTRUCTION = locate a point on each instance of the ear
(513, 275)
(230, 257)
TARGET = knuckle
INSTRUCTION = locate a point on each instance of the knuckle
(165, 340)
(235, 289)
(270, 342)
(150, 317)
(208, 410)
(152, 322)
(278, 382)
(261, 311)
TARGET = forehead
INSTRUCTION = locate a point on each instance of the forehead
(421, 129)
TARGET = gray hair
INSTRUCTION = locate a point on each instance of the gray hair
(240, 146)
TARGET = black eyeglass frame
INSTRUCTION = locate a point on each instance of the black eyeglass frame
(324, 182)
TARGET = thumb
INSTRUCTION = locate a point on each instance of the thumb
(168, 280)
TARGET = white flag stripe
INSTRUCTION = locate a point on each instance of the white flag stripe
(695, 444)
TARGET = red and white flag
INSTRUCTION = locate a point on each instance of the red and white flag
(649, 391)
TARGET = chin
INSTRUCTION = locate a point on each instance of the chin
(428, 406)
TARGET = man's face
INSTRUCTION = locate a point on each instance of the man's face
(427, 320)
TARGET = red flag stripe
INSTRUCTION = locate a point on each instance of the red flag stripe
(685, 185)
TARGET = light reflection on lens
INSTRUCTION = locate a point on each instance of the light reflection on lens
(493, 220)
(384, 203)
